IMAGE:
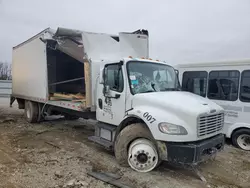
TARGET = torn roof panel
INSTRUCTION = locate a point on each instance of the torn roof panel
(47, 30)
(100, 46)
(67, 32)
(88, 45)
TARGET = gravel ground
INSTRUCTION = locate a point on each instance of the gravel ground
(57, 153)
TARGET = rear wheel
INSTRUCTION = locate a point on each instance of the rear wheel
(135, 147)
(31, 111)
(241, 139)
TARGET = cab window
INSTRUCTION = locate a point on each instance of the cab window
(114, 77)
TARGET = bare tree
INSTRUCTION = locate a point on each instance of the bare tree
(5, 71)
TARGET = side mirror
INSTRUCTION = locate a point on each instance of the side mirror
(101, 77)
(177, 76)
(177, 72)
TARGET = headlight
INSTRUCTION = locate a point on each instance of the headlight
(172, 129)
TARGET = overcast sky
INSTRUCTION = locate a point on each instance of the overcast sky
(180, 30)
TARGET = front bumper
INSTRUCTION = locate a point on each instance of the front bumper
(194, 152)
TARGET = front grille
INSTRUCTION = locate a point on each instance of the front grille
(210, 124)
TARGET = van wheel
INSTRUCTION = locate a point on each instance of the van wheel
(241, 139)
(134, 146)
(31, 111)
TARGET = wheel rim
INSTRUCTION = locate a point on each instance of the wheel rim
(142, 155)
(244, 141)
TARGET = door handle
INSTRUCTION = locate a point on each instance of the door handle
(100, 103)
(117, 96)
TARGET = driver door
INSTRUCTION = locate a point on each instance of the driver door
(111, 95)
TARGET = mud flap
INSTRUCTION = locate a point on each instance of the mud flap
(162, 149)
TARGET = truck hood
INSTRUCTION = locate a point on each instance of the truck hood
(179, 108)
(187, 106)
(178, 100)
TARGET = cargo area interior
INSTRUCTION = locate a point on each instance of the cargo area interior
(65, 77)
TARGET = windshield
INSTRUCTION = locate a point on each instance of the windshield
(151, 77)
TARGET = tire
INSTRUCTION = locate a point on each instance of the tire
(130, 136)
(241, 139)
(31, 111)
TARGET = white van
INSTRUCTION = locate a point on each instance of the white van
(228, 84)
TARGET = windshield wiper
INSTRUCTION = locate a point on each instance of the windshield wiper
(153, 86)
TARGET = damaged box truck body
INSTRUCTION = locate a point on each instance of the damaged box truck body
(58, 62)
(136, 101)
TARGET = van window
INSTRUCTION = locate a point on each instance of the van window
(195, 82)
(245, 86)
(223, 85)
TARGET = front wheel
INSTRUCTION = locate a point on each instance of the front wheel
(142, 155)
(241, 139)
(135, 147)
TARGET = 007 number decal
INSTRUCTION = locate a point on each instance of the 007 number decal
(149, 117)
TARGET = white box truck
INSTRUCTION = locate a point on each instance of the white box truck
(228, 84)
(142, 115)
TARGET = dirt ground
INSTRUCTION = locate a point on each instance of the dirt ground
(57, 153)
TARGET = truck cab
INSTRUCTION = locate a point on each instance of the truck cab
(142, 108)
